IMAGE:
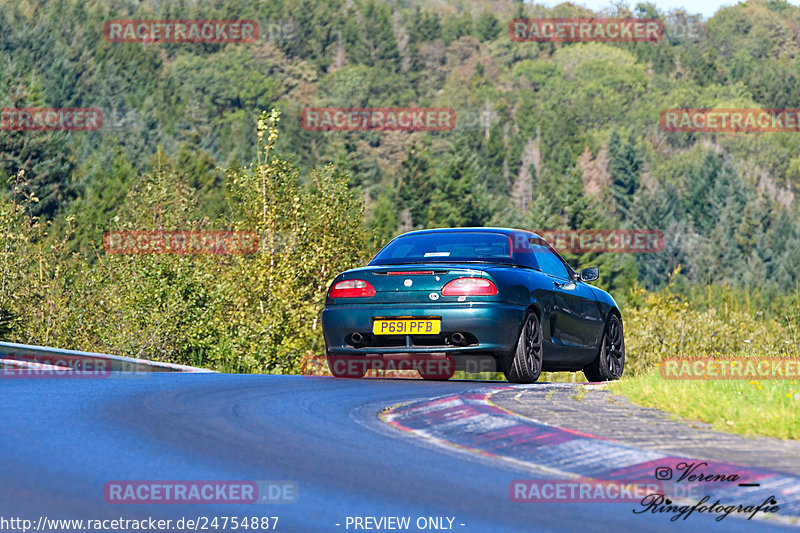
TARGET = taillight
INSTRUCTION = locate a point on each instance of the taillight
(469, 287)
(351, 288)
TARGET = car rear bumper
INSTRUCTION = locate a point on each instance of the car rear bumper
(490, 327)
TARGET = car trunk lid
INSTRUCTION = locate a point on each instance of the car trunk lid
(414, 283)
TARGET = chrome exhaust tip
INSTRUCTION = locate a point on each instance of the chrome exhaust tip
(356, 338)
(458, 339)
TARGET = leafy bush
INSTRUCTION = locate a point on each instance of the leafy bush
(248, 313)
(664, 324)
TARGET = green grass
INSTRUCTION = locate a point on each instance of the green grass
(768, 408)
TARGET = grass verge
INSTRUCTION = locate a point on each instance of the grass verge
(768, 408)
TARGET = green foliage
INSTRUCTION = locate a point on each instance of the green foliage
(458, 197)
(457, 26)
(42, 157)
(665, 324)
(425, 26)
(415, 186)
(308, 234)
(37, 295)
(384, 220)
(376, 45)
(176, 151)
(252, 313)
(624, 167)
(488, 27)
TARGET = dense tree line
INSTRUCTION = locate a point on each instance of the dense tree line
(547, 135)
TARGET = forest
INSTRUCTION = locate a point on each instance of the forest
(546, 136)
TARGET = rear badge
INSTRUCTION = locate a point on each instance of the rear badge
(407, 283)
(434, 296)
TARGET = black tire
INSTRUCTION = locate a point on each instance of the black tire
(347, 366)
(610, 361)
(524, 364)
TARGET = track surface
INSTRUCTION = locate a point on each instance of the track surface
(63, 439)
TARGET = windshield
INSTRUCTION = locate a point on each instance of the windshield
(446, 248)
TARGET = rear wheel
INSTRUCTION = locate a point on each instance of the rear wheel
(524, 364)
(610, 360)
(347, 366)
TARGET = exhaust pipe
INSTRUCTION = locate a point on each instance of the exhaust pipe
(458, 339)
(356, 338)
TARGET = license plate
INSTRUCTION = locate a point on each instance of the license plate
(406, 327)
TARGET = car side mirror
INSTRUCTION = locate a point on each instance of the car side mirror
(589, 274)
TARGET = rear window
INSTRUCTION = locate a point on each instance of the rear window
(446, 248)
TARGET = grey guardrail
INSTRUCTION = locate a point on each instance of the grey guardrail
(25, 355)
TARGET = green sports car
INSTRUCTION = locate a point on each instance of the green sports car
(436, 299)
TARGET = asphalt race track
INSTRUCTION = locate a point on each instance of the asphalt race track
(64, 439)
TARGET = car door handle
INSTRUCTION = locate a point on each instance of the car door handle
(567, 285)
